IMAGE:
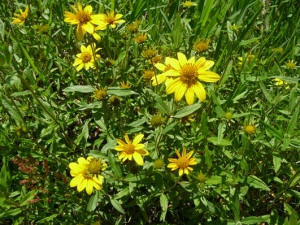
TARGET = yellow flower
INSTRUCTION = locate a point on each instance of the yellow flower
(201, 177)
(133, 27)
(148, 53)
(87, 174)
(250, 129)
(125, 84)
(228, 115)
(87, 57)
(279, 82)
(280, 50)
(84, 20)
(290, 64)
(201, 45)
(108, 19)
(20, 18)
(183, 162)
(156, 59)
(148, 74)
(247, 60)
(141, 38)
(186, 76)
(100, 94)
(157, 120)
(133, 150)
(189, 4)
(234, 27)
(159, 163)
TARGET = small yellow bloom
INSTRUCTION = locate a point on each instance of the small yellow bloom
(108, 19)
(157, 120)
(290, 64)
(20, 18)
(189, 4)
(141, 38)
(228, 115)
(100, 94)
(156, 59)
(280, 50)
(250, 129)
(201, 45)
(84, 19)
(279, 82)
(87, 57)
(133, 27)
(148, 74)
(185, 76)
(114, 100)
(149, 53)
(159, 163)
(201, 177)
(234, 27)
(133, 150)
(183, 162)
(247, 59)
(125, 84)
(87, 174)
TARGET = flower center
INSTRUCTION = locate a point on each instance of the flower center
(94, 167)
(86, 57)
(189, 73)
(182, 162)
(83, 17)
(129, 148)
(110, 19)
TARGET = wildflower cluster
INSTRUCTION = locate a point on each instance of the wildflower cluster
(140, 117)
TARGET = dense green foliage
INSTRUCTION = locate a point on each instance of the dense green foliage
(50, 116)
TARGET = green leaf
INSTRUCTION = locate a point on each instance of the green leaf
(122, 193)
(226, 74)
(293, 121)
(11, 109)
(214, 180)
(92, 202)
(276, 163)
(27, 197)
(188, 110)
(115, 166)
(266, 93)
(2, 29)
(256, 219)
(115, 203)
(295, 179)
(255, 182)
(47, 219)
(221, 142)
(84, 133)
(4, 176)
(120, 91)
(164, 206)
(80, 88)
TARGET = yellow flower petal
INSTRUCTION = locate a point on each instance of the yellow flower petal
(180, 91)
(137, 139)
(76, 181)
(138, 158)
(208, 76)
(180, 172)
(89, 187)
(189, 96)
(199, 91)
(181, 58)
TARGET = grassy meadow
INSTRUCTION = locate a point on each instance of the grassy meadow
(149, 112)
